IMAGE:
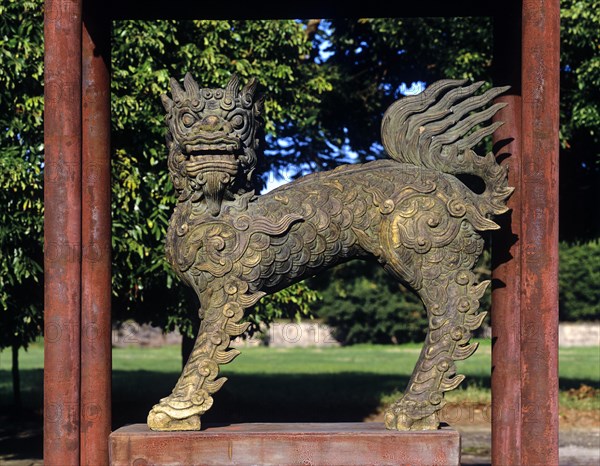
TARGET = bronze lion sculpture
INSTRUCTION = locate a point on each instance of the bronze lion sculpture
(411, 212)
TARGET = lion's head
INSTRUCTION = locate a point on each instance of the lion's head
(212, 140)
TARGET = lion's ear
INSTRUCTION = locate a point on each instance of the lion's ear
(176, 91)
(259, 105)
(191, 86)
(233, 85)
(249, 88)
(167, 102)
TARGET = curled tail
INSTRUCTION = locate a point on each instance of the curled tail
(438, 128)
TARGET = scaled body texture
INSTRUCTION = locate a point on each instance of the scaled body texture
(411, 212)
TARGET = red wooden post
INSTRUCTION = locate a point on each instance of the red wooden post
(96, 238)
(525, 313)
(525, 303)
(506, 264)
(506, 308)
(62, 231)
(539, 231)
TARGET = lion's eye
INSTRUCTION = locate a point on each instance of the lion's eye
(237, 121)
(188, 119)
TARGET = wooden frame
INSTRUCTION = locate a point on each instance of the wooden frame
(77, 273)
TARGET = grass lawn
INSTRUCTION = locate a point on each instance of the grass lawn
(301, 384)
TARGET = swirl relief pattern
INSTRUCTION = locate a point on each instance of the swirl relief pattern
(411, 212)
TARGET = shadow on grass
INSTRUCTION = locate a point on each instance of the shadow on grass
(21, 435)
(21, 430)
(339, 397)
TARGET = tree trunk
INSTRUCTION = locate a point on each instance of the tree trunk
(16, 377)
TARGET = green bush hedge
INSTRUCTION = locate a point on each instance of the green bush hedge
(579, 281)
(364, 304)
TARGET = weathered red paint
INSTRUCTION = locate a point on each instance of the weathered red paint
(506, 335)
(506, 264)
(525, 296)
(524, 384)
(62, 230)
(539, 231)
(95, 423)
(349, 443)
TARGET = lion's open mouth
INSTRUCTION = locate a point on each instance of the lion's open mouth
(205, 142)
(213, 162)
(226, 146)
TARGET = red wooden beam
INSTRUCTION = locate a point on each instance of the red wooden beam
(506, 264)
(242, 9)
(96, 238)
(506, 308)
(525, 295)
(539, 231)
(62, 230)
(525, 361)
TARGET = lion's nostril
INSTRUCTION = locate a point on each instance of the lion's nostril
(211, 121)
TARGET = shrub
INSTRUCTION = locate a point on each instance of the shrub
(364, 304)
(579, 281)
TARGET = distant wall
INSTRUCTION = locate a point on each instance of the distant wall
(131, 333)
(279, 334)
(579, 334)
(315, 333)
(303, 334)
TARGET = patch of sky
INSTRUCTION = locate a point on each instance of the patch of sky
(404, 89)
(415, 88)
(376, 148)
(322, 41)
(283, 175)
(342, 153)
(363, 45)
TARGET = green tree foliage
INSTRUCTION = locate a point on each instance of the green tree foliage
(21, 155)
(144, 56)
(21, 207)
(318, 113)
(372, 58)
(580, 59)
(579, 276)
(296, 300)
(365, 304)
(580, 119)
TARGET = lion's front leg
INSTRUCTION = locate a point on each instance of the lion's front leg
(192, 395)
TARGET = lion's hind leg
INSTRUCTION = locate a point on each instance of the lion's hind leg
(451, 297)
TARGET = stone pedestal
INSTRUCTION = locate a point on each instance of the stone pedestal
(285, 444)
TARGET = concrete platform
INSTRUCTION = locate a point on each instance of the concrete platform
(330, 444)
